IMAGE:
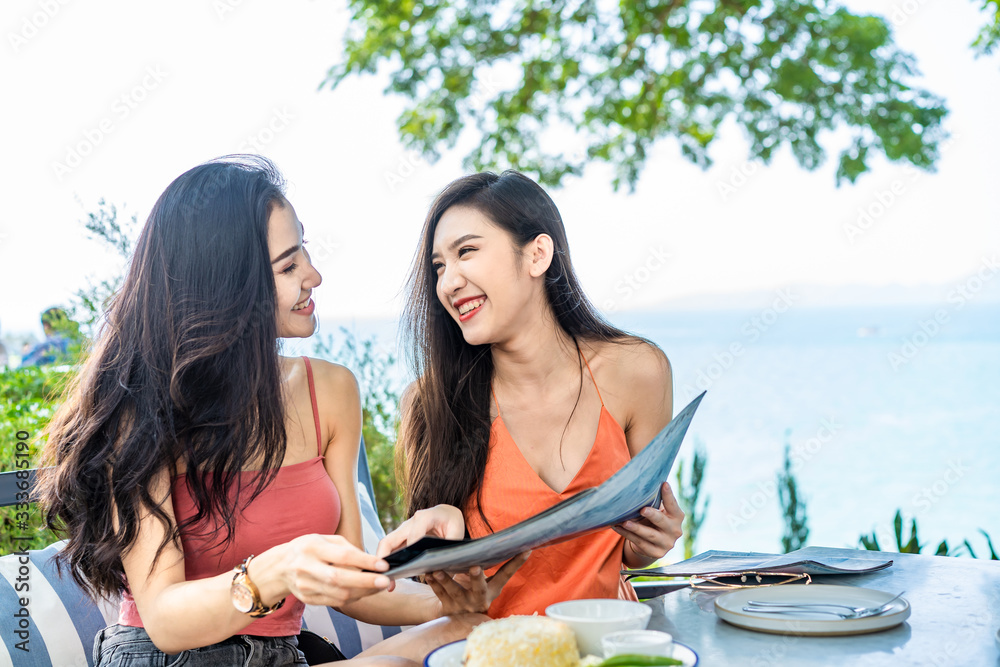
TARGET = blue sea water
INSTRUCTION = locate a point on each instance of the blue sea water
(884, 408)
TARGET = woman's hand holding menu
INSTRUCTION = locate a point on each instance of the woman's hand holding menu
(444, 521)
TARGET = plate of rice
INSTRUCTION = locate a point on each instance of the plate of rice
(517, 641)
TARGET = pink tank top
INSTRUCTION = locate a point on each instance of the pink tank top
(301, 500)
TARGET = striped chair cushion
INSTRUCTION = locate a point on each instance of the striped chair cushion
(62, 621)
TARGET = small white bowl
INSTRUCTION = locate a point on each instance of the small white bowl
(638, 642)
(590, 620)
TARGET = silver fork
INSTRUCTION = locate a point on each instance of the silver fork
(797, 610)
(790, 607)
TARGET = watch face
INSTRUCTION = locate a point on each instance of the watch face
(242, 598)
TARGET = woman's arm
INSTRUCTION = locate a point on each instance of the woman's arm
(179, 614)
(646, 384)
(341, 421)
(406, 602)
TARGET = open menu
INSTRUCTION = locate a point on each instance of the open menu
(810, 560)
(619, 498)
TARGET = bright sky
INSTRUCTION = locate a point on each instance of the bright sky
(148, 91)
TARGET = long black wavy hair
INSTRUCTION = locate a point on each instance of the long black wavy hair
(184, 369)
(446, 429)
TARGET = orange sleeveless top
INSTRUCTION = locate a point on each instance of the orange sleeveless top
(301, 500)
(585, 567)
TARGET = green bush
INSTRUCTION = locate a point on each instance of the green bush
(793, 507)
(380, 413)
(689, 496)
(913, 545)
(28, 399)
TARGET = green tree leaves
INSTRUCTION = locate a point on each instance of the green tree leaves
(793, 507)
(619, 77)
(689, 496)
(989, 36)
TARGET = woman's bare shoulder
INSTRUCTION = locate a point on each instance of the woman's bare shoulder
(332, 376)
(633, 362)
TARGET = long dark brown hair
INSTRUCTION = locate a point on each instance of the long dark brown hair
(184, 368)
(446, 427)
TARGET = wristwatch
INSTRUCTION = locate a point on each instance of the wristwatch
(245, 596)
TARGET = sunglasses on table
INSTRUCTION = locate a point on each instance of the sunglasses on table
(734, 580)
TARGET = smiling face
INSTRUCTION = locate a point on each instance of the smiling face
(487, 285)
(294, 275)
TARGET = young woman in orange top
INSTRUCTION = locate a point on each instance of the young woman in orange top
(524, 394)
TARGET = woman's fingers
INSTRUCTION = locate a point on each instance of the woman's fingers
(479, 585)
(669, 503)
(406, 534)
(503, 575)
(640, 545)
(655, 534)
(450, 587)
(335, 586)
(392, 542)
(445, 521)
(453, 597)
(338, 551)
(328, 569)
(471, 591)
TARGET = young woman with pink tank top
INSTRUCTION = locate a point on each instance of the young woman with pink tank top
(524, 394)
(207, 479)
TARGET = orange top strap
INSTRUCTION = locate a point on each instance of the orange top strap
(495, 401)
(315, 407)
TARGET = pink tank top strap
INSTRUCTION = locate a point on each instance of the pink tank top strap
(592, 377)
(315, 406)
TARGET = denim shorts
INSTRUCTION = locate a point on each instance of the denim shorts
(123, 646)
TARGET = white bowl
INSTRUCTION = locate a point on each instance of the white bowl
(590, 620)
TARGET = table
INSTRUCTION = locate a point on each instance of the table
(954, 619)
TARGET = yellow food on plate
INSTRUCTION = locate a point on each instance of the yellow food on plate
(517, 641)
